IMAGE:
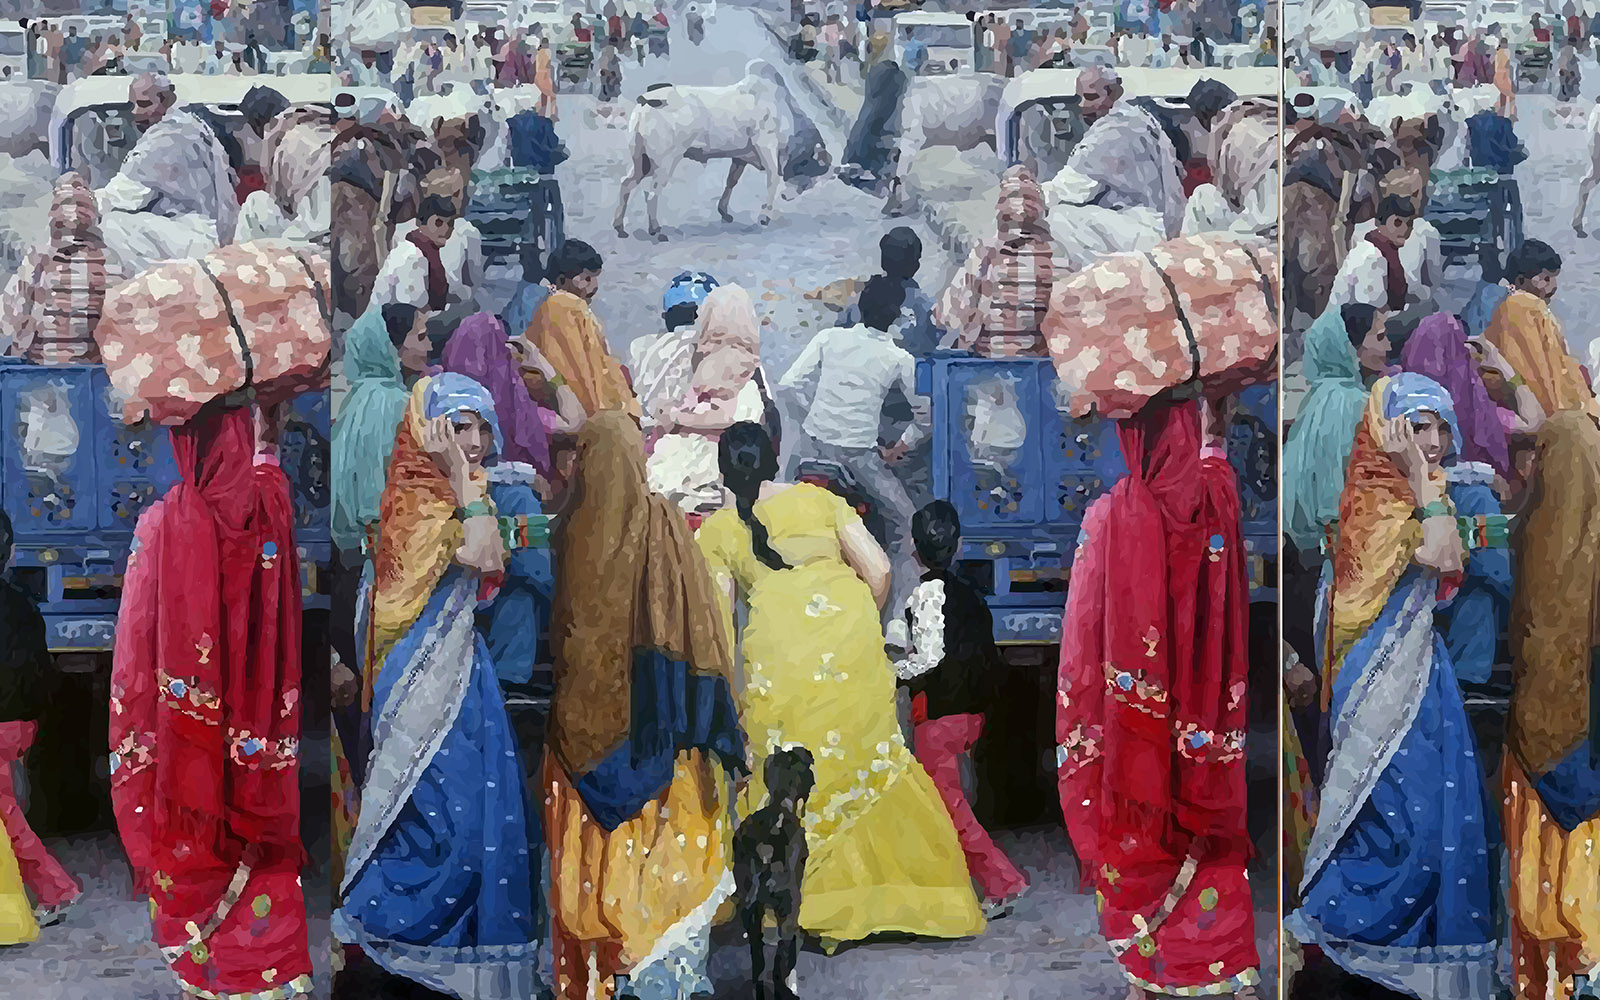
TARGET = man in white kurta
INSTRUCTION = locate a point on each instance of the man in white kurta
(1362, 278)
(1122, 187)
(174, 195)
(295, 150)
(1241, 145)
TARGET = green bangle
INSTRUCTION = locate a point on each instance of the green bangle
(1436, 509)
(1516, 381)
(477, 508)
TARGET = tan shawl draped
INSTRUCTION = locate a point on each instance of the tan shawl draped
(628, 575)
(1557, 595)
(1530, 338)
(571, 338)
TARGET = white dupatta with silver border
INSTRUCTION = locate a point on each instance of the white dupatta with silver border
(413, 722)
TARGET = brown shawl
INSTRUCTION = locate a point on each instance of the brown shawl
(628, 575)
(1553, 614)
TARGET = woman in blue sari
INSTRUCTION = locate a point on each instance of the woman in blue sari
(441, 879)
(479, 350)
(1399, 880)
(1473, 622)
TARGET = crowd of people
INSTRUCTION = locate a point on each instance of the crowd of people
(586, 47)
(59, 52)
(1445, 457)
(1009, 45)
(446, 456)
(1430, 496)
(684, 559)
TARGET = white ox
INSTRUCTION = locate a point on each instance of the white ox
(754, 122)
(957, 111)
(25, 110)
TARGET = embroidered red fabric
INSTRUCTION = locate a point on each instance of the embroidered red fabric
(1152, 706)
(205, 716)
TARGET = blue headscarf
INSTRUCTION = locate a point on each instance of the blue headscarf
(452, 392)
(1409, 394)
(690, 286)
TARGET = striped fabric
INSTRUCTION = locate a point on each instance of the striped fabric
(525, 531)
(55, 301)
(1477, 531)
(998, 301)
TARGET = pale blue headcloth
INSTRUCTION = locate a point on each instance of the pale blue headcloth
(1409, 394)
(452, 392)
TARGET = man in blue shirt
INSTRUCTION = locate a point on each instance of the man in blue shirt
(1492, 143)
(901, 257)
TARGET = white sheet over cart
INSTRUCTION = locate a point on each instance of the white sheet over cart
(260, 218)
(297, 177)
(1243, 154)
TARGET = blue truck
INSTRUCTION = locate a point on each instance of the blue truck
(1021, 471)
(1022, 487)
(74, 479)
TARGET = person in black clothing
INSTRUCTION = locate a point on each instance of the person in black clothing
(949, 667)
(27, 677)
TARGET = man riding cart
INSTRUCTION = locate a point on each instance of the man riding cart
(521, 206)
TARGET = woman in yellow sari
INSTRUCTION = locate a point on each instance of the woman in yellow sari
(1552, 774)
(1529, 336)
(884, 853)
(17, 925)
(636, 815)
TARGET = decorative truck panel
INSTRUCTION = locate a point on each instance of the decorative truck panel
(1021, 470)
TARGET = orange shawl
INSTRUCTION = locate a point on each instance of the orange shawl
(569, 335)
(1529, 336)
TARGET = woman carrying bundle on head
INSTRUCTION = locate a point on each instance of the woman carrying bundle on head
(1152, 710)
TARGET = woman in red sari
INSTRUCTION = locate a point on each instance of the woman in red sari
(1152, 687)
(205, 718)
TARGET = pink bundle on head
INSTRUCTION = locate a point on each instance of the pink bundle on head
(728, 346)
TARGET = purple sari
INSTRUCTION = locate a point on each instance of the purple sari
(478, 350)
(1438, 349)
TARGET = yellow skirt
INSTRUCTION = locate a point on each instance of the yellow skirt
(1555, 881)
(17, 925)
(884, 851)
(618, 894)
